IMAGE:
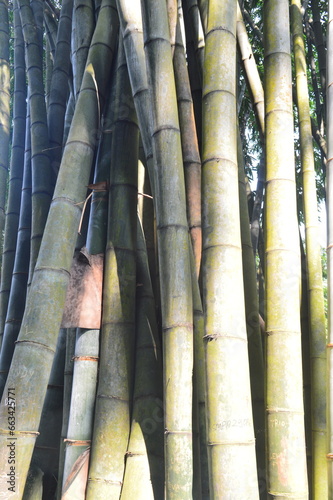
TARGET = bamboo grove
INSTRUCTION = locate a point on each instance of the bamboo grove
(164, 330)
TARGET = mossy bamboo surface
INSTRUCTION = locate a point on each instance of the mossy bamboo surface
(59, 86)
(255, 348)
(190, 147)
(68, 382)
(16, 303)
(82, 31)
(4, 110)
(230, 436)
(17, 160)
(251, 70)
(286, 455)
(38, 335)
(144, 472)
(81, 414)
(41, 167)
(173, 254)
(115, 386)
(329, 198)
(313, 263)
(34, 485)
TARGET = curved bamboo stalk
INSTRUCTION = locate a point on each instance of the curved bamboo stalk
(59, 88)
(230, 437)
(329, 197)
(286, 455)
(144, 472)
(173, 254)
(17, 161)
(115, 386)
(313, 264)
(4, 110)
(38, 335)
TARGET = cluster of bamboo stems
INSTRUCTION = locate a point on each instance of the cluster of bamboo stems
(174, 392)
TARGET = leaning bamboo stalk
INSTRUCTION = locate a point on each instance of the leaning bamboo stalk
(38, 335)
(313, 264)
(173, 254)
(115, 386)
(286, 454)
(251, 70)
(16, 162)
(329, 197)
(190, 148)
(144, 472)
(230, 436)
(4, 110)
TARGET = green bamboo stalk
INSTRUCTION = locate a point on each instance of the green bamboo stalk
(204, 8)
(144, 472)
(256, 358)
(329, 198)
(34, 485)
(4, 110)
(16, 302)
(313, 263)
(115, 386)
(59, 88)
(48, 64)
(82, 32)
(38, 335)
(68, 382)
(46, 452)
(230, 436)
(286, 455)
(41, 168)
(173, 254)
(16, 168)
(190, 147)
(81, 415)
(251, 70)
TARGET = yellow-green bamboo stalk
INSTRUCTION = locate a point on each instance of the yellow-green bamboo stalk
(286, 454)
(313, 264)
(144, 472)
(115, 386)
(173, 254)
(230, 436)
(4, 110)
(190, 148)
(329, 198)
(251, 70)
(35, 347)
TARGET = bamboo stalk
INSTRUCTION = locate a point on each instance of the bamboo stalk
(144, 472)
(286, 455)
(313, 264)
(35, 347)
(230, 437)
(329, 207)
(173, 254)
(82, 32)
(17, 161)
(114, 394)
